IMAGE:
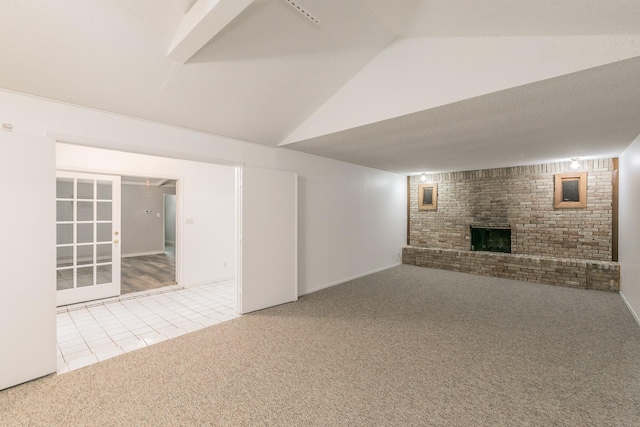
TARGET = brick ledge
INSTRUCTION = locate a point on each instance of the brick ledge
(569, 272)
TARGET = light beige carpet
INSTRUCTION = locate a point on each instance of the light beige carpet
(407, 346)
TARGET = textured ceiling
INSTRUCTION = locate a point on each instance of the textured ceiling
(270, 70)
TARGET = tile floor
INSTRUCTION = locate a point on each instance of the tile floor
(98, 330)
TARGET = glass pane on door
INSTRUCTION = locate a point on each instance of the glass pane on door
(64, 256)
(64, 188)
(104, 190)
(64, 279)
(84, 254)
(103, 274)
(84, 233)
(64, 234)
(104, 253)
(64, 211)
(104, 211)
(104, 232)
(85, 211)
(85, 277)
(85, 188)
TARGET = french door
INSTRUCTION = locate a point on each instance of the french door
(87, 237)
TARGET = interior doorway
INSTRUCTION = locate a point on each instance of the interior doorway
(223, 273)
(149, 242)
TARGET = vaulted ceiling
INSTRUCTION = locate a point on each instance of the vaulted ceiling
(405, 86)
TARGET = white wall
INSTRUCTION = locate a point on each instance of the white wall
(142, 232)
(207, 247)
(351, 219)
(629, 226)
(27, 276)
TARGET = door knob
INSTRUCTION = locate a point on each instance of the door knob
(116, 241)
(115, 233)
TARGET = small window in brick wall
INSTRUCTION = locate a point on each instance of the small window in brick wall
(570, 190)
(427, 197)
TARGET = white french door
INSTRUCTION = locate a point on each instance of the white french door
(87, 237)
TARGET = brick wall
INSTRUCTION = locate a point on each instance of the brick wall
(520, 198)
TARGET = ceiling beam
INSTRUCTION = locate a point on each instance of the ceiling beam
(203, 21)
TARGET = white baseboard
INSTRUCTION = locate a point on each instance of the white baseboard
(210, 282)
(633, 313)
(142, 254)
(319, 288)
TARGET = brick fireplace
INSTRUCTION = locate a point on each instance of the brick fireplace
(567, 247)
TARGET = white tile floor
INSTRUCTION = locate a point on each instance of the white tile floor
(96, 331)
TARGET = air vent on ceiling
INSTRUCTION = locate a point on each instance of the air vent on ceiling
(297, 6)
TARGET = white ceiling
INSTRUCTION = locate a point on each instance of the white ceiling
(593, 114)
(506, 18)
(271, 70)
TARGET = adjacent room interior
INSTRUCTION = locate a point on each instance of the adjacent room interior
(149, 224)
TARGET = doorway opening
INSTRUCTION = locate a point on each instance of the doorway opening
(148, 307)
(149, 230)
(223, 274)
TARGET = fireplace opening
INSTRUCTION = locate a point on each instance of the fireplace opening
(491, 239)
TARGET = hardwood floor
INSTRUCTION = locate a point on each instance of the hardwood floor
(143, 273)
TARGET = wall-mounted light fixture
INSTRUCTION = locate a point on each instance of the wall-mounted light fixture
(574, 163)
(423, 177)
